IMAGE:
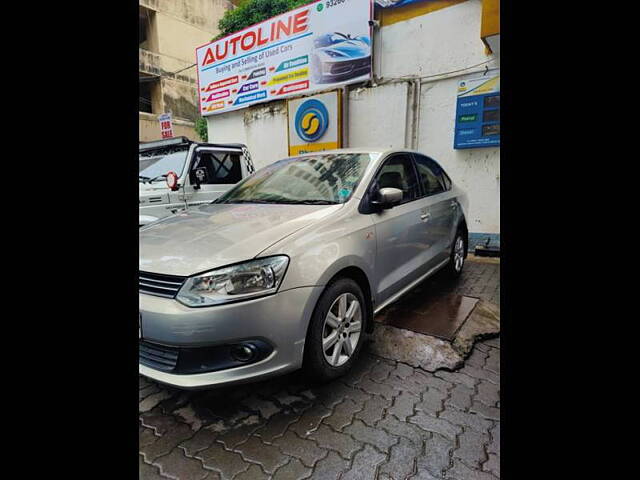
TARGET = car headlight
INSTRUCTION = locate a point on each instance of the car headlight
(246, 280)
(333, 54)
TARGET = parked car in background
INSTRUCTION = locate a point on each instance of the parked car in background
(287, 268)
(338, 57)
(177, 173)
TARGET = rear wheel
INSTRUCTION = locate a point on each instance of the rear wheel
(457, 257)
(336, 331)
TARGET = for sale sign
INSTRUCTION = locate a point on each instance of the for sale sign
(318, 46)
(166, 128)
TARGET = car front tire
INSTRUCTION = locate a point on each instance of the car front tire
(336, 331)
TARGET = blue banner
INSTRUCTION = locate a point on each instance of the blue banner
(478, 113)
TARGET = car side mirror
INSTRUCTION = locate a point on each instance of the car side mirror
(388, 197)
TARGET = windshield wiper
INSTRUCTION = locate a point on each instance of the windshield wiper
(144, 179)
(282, 201)
(247, 201)
(158, 177)
(308, 202)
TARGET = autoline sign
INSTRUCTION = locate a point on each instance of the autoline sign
(315, 47)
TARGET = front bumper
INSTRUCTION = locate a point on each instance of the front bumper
(281, 320)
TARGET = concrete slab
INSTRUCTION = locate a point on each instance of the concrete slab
(440, 316)
(428, 351)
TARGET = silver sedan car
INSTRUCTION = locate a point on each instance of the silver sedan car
(288, 268)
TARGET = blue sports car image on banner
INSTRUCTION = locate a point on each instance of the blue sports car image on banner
(338, 57)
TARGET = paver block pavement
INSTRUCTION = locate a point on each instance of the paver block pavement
(471, 448)
(402, 459)
(373, 436)
(383, 420)
(177, 466)
(342, 443)
(307, 451)
(365, 464)
(343, 414)
(269, 457)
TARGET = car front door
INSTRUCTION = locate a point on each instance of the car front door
(399, 230)
(212, 172)
(438, 208)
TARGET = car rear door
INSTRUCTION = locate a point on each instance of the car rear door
(212, 172)
(438, 209)
(399, 230)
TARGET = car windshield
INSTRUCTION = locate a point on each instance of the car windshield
(321, 179)
(156, 163)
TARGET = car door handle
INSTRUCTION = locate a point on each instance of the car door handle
(425, 217)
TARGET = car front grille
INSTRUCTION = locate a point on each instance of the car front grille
(157, 356)
(158, 284)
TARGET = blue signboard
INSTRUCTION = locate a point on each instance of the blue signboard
(478, 113)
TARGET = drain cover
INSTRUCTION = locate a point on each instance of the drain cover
(436, 315)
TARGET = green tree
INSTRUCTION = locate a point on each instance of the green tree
(201, 129)
(253, 11)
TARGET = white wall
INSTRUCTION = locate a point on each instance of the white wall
(436, 43)
(476, 170)
(262, 128)
(377, 116)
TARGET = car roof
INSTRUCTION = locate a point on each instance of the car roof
(379, 150)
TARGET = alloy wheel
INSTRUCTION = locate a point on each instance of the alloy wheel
(458, 254)
(341, 329)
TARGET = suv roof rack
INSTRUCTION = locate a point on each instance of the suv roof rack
(176, 141)
(169, 142)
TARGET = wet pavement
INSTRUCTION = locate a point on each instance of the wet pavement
(383, 420)
(438, 316)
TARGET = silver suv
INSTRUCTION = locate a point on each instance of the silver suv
(288, 268)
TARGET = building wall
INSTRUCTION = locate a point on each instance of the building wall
(176, 28)
(149, 128)
(203, 14)
(476, 170)
(377, 116)
(443, 42)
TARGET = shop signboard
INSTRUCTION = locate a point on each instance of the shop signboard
(315, 123)
(478, 112)
(318, 46)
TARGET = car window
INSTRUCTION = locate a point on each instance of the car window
(430, 175)
(211, 168)
(397, 172)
